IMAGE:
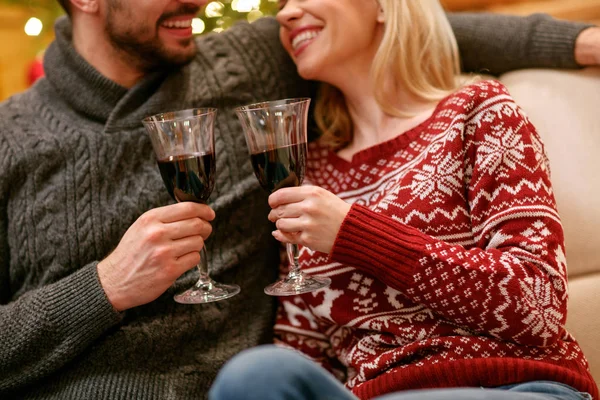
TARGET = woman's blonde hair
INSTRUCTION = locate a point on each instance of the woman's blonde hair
(418, 53)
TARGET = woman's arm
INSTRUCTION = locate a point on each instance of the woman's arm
(512, 284)
(495, 43)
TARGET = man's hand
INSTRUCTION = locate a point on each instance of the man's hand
(158, 248)
(307, 215)
(587, 47)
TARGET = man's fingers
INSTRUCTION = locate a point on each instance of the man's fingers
(186, 262)
(187, 245)
(184, 210)
(188, 227)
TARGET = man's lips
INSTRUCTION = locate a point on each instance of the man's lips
(178, 26)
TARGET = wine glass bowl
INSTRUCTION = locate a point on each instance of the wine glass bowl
(276, 135)
(183, 142)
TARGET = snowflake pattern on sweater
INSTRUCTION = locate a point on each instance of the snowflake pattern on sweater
(450, 268)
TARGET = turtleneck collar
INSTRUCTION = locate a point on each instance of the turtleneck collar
(96, 97)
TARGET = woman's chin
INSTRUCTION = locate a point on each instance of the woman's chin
(308, 72)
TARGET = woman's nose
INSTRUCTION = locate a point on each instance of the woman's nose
(291, 11)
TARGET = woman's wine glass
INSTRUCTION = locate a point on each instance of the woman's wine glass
(275, 133)
(183, 142)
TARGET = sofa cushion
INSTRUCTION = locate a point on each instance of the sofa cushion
(582, 318)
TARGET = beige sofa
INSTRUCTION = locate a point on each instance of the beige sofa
(565, 108)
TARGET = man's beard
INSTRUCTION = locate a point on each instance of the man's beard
(149, 54)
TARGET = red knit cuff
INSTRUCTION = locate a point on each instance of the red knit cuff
(380, 246)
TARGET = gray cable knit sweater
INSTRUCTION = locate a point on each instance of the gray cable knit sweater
(77, 168)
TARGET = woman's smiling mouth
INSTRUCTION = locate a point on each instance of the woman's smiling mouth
(302, 38)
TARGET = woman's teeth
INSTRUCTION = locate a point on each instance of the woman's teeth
(303, 37)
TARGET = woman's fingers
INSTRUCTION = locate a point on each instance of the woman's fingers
(309, 216)
(290, 225)
(290, 195)
(285, 237)
(292, 210)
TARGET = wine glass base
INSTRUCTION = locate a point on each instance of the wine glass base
(297, 285)
(201, 295)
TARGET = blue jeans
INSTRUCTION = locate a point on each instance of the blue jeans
(271, 373)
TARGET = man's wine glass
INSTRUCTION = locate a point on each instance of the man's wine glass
(275, 133)
(183, 142)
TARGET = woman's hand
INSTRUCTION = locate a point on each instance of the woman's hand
(307, 215)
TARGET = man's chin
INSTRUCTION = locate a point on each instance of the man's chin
(173, 58)
(183, 58)
(183, 53)
(152, 55)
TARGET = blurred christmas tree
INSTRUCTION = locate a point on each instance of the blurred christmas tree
(45, 10)
(216, 16)
(219, 15)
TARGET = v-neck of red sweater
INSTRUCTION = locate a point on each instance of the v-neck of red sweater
(381, 149)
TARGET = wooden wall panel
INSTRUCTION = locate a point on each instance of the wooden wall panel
(459, 5)
(575, 10)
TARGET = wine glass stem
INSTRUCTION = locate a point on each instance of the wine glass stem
(204, 282)
(292, 251)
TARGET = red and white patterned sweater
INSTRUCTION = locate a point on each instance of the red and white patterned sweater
(450, 268)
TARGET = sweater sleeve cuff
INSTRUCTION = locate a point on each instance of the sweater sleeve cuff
(557, 38)
(378, 245)
(77, 305)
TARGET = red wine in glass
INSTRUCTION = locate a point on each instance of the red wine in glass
(280, 167)
(275, 133)
(189, 177)
(184, 144)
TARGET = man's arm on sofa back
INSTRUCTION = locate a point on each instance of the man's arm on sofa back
(495, 43)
